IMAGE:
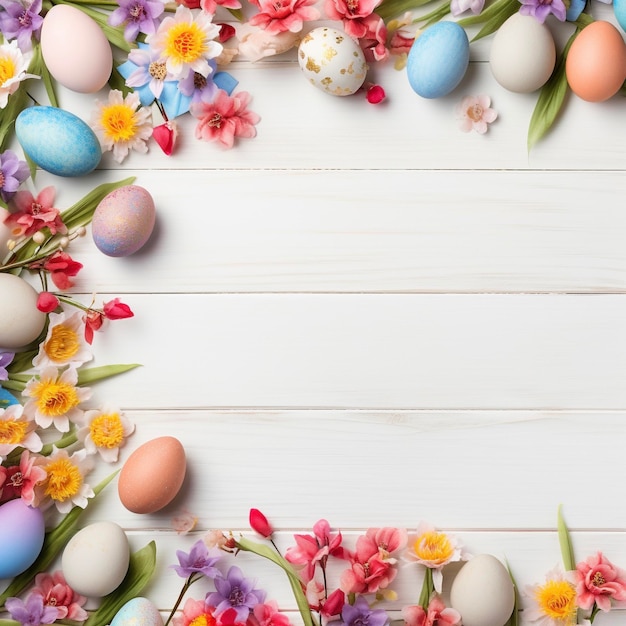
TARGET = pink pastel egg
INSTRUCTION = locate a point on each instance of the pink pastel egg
(123, 221)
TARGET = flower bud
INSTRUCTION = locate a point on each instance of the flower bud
(47, 302)
(259, 523)
(39, 237)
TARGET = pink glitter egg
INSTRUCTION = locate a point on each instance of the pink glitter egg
(123, 221)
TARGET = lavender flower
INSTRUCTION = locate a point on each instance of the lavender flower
(21, 20)
(13, 173)
(5, 359)
(237, 593)
(540, 9)
(360, 614)
(200, 560)
(140, 16)
(32, 612)
(199, 88)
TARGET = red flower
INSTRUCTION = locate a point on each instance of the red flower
(259, 523)
(226, 32)
(62, 267)
(47, 302)
(165, 135)
(116, 310)
(93, 322)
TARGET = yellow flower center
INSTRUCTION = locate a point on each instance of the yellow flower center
(557, 600)
(107, 430)
(185, 43)
(62, 345)
(118, 122)
(55, 398)
(433, 547)
(7, 69)
(64, 480)
(12, 432)
(206, 619)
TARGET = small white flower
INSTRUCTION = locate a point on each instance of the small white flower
(13, 66)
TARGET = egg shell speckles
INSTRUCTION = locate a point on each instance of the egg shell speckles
(123, 221)
(138, 611)
(152, 475)
(58, 141)
(22, 536)
(438, 60)
(75, 49)
(332, 61)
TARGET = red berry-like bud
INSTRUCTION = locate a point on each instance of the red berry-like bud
(259, 523)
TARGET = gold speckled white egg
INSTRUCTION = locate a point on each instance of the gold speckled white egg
(332, 61)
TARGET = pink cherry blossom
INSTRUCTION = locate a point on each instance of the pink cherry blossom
(32, 214)
(267, 614)
(599, 581)
(55, 592)
(475, 113)
(277, 16)
(210, 6)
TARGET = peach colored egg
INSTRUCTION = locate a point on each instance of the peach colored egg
(596, 63)
(75, 49)
(152, 475)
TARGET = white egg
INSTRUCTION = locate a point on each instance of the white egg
(20, 320)
(96, 559)
(523, 54)
(332, 61)
(483, 592)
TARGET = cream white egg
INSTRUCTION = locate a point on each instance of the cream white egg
(96, 559)
(523, 54)
(483, 592)
(332, 61)
(21, 321)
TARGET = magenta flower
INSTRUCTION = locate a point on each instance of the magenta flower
(259, 523)
(13, 173)
(21, 20)
(235, 593)
(33, 612)
(360, 614)
(599, 581)
(540, 9)
(199, 560)
(140, 16)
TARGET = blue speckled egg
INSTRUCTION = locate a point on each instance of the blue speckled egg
(438, 60)
(21, 539)
(138, 611)
(619, 8)
(123, 221)
(58, 141)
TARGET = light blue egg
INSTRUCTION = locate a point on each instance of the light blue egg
(619, 8)
(22, 536)
(438, 60)
(58, 141)
(138, 611)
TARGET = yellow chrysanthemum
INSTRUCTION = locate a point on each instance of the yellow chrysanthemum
(118, 122)
(107, 430)
(185, 43)
(64, 480)
(55, 397)
(433, 547)
(7, 69)
(556, 599)
(12, 432)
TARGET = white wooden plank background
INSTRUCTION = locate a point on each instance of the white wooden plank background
(367, 315)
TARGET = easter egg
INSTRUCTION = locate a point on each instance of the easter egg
(22, 536)
(96, 559)
(619, 10)
(138, 611)
(438, 60)
(123, 221)
(58, 141)
(152, 475)
(332, 61)
(523, 54)
(75, 49)
(483, 592)
(21, 322)
(596, 62)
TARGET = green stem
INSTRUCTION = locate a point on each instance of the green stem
(190, 580)
(427, 589)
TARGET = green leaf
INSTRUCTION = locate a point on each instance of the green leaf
(551, 98)
(94, 374)
(54, 542)
(389, 9)
(8, 622)
(435, 16)
(565, 541)
(294, 581)
(496, 20)
(140, 571)
(488, 12)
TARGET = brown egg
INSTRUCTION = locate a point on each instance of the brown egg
(596, 62)
(152, 475)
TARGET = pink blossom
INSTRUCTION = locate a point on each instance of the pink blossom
(373, 36)
(474, 113)
(55, 592)
(192, 611)
(267, 614)
(400, 42)
(210, 6)
(258, 44)
(225, 118)
(437, 615)
(20, 480)
(333, 604)
(33, 214)
(277, 16)
(598, 580)
(116, 310)
(367, 576)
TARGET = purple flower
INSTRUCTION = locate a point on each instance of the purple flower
(199, 560)
(5, 359)
(32, 612)
(140, 16)
(360, 614)
(21, 20)
(235, 592)
(13, 173)
(540, 9)
(198, 87)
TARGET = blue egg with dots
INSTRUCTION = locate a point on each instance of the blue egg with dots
(438, 60)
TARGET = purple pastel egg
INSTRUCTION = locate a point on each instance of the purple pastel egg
(123, 221)
(22, 536)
